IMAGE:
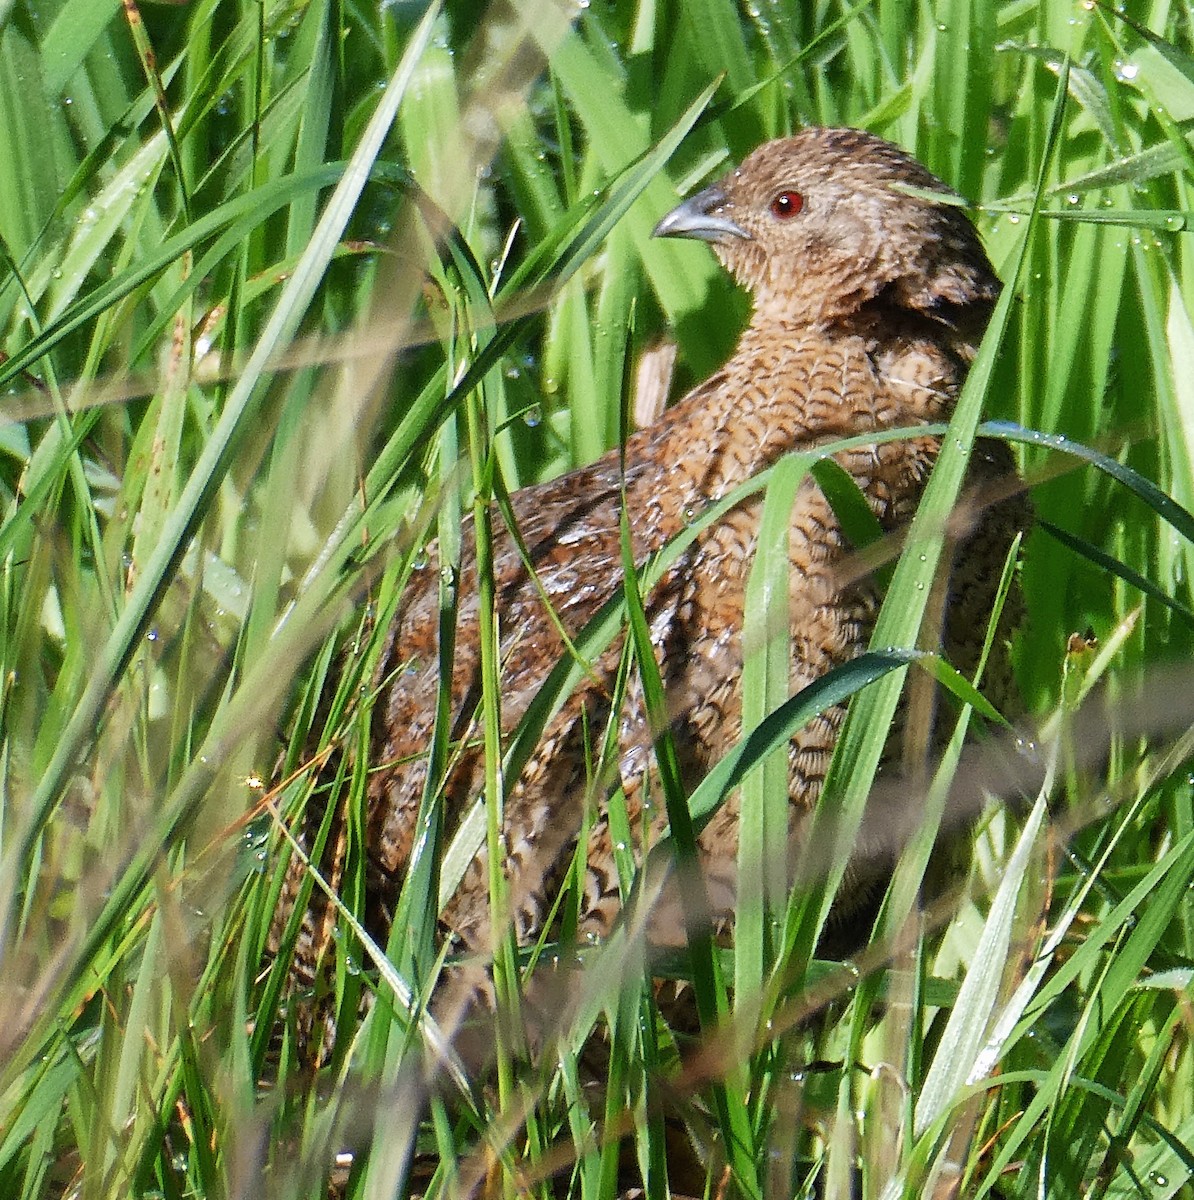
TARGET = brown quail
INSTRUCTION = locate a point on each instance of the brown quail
(869, 299)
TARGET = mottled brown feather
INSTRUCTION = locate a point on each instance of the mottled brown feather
(868, 305)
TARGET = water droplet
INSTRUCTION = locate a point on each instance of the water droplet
(1073, 198)
(1159, 1179)
(1013, 218)
(533, 416)
(1175, 222)
(419, 562)
(690, 514)
(1125, 72)
(1028, 748)
(151, 635)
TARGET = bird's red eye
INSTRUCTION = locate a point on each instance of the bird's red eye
(787, 204)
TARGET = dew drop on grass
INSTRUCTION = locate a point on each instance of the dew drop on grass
(1027, 748)
(533, 417)
(420, 560)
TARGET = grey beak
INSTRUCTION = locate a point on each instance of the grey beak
(697, 218)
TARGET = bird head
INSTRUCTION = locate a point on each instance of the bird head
(819, 224)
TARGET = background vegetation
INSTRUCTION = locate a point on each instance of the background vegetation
(242, 373)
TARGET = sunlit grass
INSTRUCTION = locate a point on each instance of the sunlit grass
(234, 411)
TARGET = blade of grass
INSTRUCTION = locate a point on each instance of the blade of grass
(207, 472)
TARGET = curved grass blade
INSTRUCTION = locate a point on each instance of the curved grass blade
(707, 983)
(766, 682)
(1168, 509)
(1112, 564)
(864, 734)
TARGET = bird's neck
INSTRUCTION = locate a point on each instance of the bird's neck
(796, 387)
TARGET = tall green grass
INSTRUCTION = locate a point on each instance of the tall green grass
(287, 288)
